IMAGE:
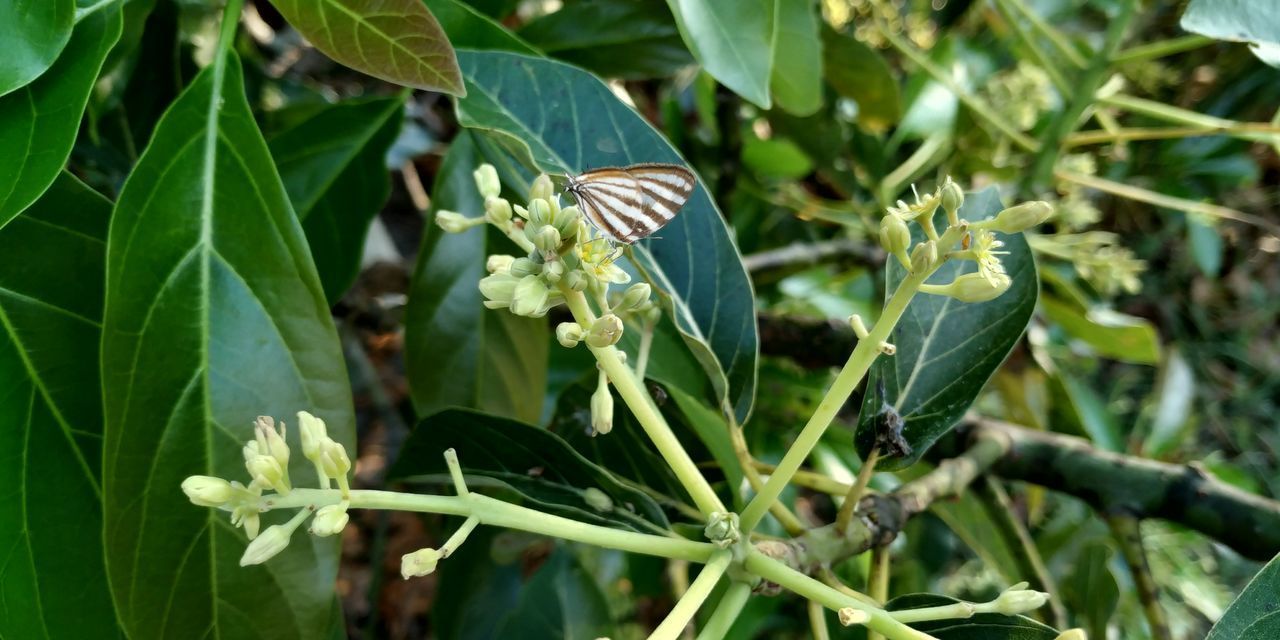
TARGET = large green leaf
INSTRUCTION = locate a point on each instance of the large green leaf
(613, 38)
(333, 169)
(947, 349)
(796, 73)
(34, 34)
(861, 74)
(457, 352)
(733, 39)
(570, 121)
(471, 29)
(561, 602)
(1254, 614)
(1110, 333)
(52, 257)
(396, 40)
(983, 626)
(214, 315)
(538, 465)
(38, 123)
(1252, 21)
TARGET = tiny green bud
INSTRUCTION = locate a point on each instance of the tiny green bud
(972, 287)
(1021, 217)
(267, 472)
(487, 181)
(597, 499)
(268, 545)
(635, 295)
(499, 263)
(333, 459)
(547, 240)
(270, 441)
(207, 491)
(419, 563)
(895, 237)
(569, 334)
(924, 256)
(313, 431)
(566, 221)
(453, 222)
(541, 188)
(521, 267)
(539, 212)
(530, 297)
(605, 331)
(497, 211)
(330, 520)
(553, 271)
(1018, 599)
(858, 326)
(576, 280)
(500, 288)
(952, 197)
(722, 529)
(602, 408)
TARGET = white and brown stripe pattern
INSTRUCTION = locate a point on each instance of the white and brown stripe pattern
(629, 203)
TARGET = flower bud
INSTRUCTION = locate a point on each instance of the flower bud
(497, 211)
(539, 212)
(576, 280)
(605, 331)
(1021, 217)
(972, 287)
(453, 222)
(602, 408)
(924, 256)
(330, 520)
(267, 472)
(635, 295)
(312, 430)
(487, 181)
(722, 529)
(270, 441)
(333, 459)
(952, 197)
(500, 288)
(547, 240)
(530, 297)
(895, 237)
(521, 267)
(541, 188)
(246, 516)
(597, 499)
(268, 545)
(419, 563)
(566, 221)
(553, 271)
(569, 334)
(1018, 599)
(499, 263)
(207, 491)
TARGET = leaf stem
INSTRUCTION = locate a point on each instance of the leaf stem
(1082, 138)
(790, 522)
(878, 581)
(674, 624)
(227, 32)
(1177, 115)
(1163, 200)
(1162, 48)
(646, 412)
(995, 500)
(1004, 7)
(855, 492)
(818, 621)
(722, 619)
(1055, 37)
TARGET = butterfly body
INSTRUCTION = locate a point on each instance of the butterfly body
(629, 203)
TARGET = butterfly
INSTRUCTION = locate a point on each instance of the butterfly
(629, 203)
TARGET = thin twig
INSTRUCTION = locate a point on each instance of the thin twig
(855, 492)
(810, 253)
(1082, 138)
(1167, 201)
(1128, 534)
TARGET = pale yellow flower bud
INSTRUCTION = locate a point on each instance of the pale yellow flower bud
(602, 408)
(499, 263)
(972, 287)
(454, 222)
(895, 237)
(547, 240)
(1021, 217)
(207, 491)
(605, 331)
(569, 334)
(924, 256)
(419, 563)
(313, 431)
(635, 295)
(266, 546)
(723, 529)
(497, 211)
(530, 297)
(541, 188)
(487, 181)
(330, 520)
(597, 499)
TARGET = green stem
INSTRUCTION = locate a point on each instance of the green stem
(790, 522)
(881, 621)
(1167, 201)
(1176, 115)
(496, 513)
(1055, 37)
(1162, 48)
(1082, 138)
(855, 492)
(818, 621)
(726, 613)
(1050, 67)
(227, 32)
(1128, 534)
(646, 343)
(931, 151)
(859, 362)
(1087, 85)
(878, 581)
(646, 412)
(688, 604)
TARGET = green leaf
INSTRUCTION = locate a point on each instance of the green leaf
(471, 29)
(861, 74)
(1091, 589)
(38, 123)
(1206, 246)
(536, 464)
(983, 626)
(214, 315)
(613, 38)
(1253, 615)
(947, 349)
(776, 157)
(969, 520)
(733, 40)
(1257, 23)
(713, 432)
(395, 40)
(570, 121)
(54, 582)
(332, 167)
(1174, 394)
(1110, 333)
(1078, 410)
(562, 601)
(34, 34)
(459, 353)
(796, 74)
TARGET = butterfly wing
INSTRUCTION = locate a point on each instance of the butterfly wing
(665, 188)
(631, 203)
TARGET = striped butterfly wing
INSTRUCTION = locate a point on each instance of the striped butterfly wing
(630, 203)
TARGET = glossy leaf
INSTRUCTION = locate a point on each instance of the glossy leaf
(983, 626)
(861, 74)
(562, 601)
(333, 170)
(947, 349)
(613, 38)
(54, 583)
(545, 471)
(1253, 615)
(458, 352)
(1257, 23)
(1110, 333)
(396, 40)
(1091, 589)
(34, 34)
(39, 122)
(470, 29)
(574, 122)
(214, 315)
(733, 40)
(796, 72)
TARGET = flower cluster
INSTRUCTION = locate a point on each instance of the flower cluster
(266, 458)
(565, 258)
(1021, 94)
(977, 241)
